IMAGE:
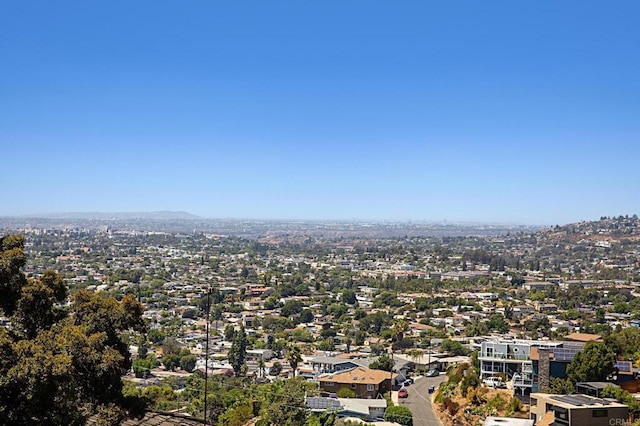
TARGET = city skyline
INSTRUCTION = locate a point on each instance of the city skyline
(495, 113)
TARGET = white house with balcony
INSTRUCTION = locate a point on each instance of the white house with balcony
(519, 361)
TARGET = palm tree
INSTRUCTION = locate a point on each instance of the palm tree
(415, 355)
(399, 328)
(294, 358)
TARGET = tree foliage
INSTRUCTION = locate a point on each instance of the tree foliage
(384, 362)
(560, 386)
(399, 414)
(58, 366)
(286, 406)
(593, 363)
(622, 396)
(294, 357)
(238, 351)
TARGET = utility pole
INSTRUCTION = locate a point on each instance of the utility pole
(206, 357)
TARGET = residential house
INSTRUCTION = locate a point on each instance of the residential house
(365, 382)
(529, 363)
(331, 364)
(592, 388)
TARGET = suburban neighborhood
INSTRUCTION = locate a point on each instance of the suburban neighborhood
(480, 327)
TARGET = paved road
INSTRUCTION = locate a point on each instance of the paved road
(419, 401)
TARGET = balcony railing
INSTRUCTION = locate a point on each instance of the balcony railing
(517, 357)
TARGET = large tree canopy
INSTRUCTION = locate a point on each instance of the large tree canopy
(593, 363)
(59, 365)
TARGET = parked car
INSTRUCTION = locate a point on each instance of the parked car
(407, 382)
(495, 382)
(432, 373)
(402, 393)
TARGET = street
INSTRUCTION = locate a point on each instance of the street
(419, 401)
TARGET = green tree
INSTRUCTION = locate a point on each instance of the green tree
(171, 361)
(622, 396)
(59, 366)
(306, 316)
(238, 350)
(286, 406)
(170, 346)
(346, 393)
(560, 386)
(156, 336)
(276, 369)
(399, 328)
(349, 297)
(593, 363)
(188, 363)
(384, 362)
(229, 332)
(399, 414)
(294, 357)
(291, 307)
(497, 323)
(452, 347)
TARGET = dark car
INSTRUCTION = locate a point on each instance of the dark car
(402, 393)
(432, 373)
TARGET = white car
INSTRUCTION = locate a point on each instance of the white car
(495, 382)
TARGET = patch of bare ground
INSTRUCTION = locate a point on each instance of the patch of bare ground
(478, 404)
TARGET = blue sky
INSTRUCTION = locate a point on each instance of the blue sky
(492, 111)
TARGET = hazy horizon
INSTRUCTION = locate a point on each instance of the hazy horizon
(181, 214)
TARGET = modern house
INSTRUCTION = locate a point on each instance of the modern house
(593, 388)
(569, 410)
(364, 382)
(530, 364)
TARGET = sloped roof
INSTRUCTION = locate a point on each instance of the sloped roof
(584, 337)
(361, 375)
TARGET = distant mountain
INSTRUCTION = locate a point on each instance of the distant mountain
(159, 215)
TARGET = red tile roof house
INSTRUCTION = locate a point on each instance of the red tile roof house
(365, 382)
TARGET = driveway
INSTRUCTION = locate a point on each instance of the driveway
(419, 401)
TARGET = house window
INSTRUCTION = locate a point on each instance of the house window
(370, 388)
(353, 386)
(329, 384)
(600, 413)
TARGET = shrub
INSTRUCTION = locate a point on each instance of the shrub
(346, 393)
(399, 414)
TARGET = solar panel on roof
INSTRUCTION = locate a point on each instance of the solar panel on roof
(580, 400)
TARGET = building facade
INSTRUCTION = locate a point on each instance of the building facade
(364, 382)
(573, 410)
(529, 364)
